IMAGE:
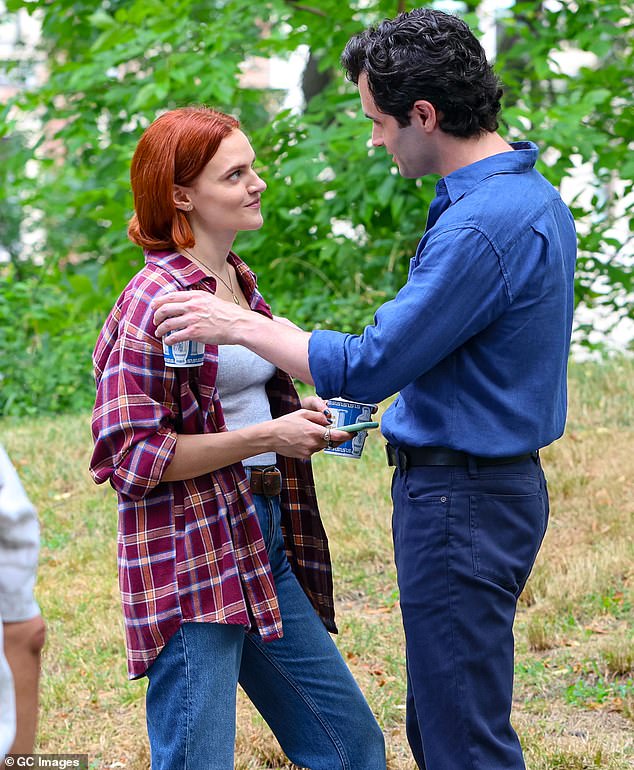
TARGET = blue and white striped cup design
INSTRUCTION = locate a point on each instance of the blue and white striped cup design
(347, 413)
(182, 355)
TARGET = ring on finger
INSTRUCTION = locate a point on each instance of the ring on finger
(326, 436)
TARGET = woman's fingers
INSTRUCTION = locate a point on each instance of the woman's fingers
(313, 415)
(314, 403)
(339, 436)
(304, 432)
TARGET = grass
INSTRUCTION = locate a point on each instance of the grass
(574, 696)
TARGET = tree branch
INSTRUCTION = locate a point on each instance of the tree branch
(307, 8)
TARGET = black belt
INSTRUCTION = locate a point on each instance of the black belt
(265, 481)
(405, 457)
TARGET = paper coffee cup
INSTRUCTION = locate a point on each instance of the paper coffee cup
(183, 354)
(346, 412)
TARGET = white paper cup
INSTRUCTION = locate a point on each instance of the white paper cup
(182, 355)
(346, 412)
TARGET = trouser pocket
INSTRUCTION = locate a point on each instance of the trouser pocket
(264, 510)
(506, 533)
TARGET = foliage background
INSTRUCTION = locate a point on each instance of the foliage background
(113, 65)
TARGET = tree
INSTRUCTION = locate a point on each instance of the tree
(340, 224)
(586, 120)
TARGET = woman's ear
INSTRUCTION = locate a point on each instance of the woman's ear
(181, 198)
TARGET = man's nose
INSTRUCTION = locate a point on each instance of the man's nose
(377, 137)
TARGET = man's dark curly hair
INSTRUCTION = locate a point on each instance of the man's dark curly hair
(431, 55)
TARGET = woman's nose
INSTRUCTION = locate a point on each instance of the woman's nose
(258, 184)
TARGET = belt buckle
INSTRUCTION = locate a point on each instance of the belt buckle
(397, 457)
(271, 481)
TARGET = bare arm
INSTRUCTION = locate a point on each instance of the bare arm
(282, 345)
(299, 434)
(199, 315)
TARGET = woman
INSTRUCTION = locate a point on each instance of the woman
(223, 562)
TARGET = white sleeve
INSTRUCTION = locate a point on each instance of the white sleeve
(19, 546)
(7, 703)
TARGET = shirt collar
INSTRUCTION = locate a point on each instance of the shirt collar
(179, 267)
(188, 274)
(459, 182)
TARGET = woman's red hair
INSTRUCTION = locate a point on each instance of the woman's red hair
(174, 149)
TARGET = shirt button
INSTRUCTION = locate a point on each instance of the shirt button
(443, 499)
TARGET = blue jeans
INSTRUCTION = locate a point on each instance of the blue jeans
(465, 540)
(299, 684)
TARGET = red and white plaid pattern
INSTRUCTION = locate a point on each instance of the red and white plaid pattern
(190, 550)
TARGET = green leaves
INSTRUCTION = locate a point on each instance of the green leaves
(581, 118)
(340, 226)
(46, 342)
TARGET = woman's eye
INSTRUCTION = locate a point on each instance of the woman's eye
(236, 174)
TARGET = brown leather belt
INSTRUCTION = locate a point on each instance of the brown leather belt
(265, 481)
(405, 457)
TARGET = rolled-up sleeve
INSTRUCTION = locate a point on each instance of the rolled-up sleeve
(326, 359)
(411, 333)
(135, 409)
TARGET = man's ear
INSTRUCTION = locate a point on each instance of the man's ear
(425, 115)
(181, 198)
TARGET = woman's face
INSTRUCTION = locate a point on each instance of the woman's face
(226, 194)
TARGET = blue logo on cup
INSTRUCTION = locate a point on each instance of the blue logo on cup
(348, 413)
(183, 354)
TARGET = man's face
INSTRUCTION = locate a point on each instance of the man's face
(407, 146)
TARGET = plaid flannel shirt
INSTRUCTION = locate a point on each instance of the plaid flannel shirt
(190, 550)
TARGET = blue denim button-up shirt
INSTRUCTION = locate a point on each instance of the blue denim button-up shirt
(477, 340)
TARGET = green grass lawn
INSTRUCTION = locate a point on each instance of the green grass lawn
(574, 701)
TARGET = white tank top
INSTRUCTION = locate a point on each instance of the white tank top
(241, 379)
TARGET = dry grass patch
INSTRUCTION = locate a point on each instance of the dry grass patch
(618, 654)
(567, 739)
(574, 634)
(588, 548)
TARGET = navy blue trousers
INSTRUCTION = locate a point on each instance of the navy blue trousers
(465, 540)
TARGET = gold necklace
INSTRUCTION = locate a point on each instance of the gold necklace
(227, 285)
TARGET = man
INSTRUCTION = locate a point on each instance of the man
(477, 344)
(20, 621)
